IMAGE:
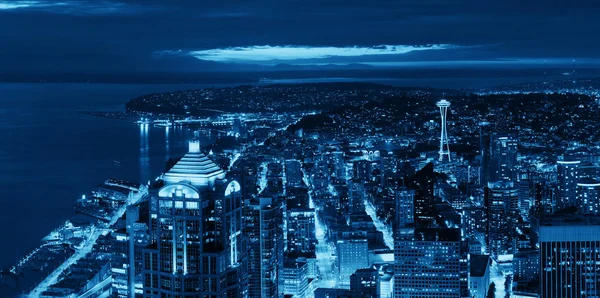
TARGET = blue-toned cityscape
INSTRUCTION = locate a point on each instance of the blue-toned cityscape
(342, 190)
(299, 149)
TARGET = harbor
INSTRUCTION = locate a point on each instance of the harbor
(74, 257)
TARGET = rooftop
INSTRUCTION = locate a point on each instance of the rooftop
(569, 219)
(437, 234)
(194, 167)
(479, 265)
(589, 182)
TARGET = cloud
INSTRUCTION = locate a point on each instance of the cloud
(16, 4)
(75, 7)
(291, 53)
(69, 35)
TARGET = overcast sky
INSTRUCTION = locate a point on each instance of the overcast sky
(79, 35)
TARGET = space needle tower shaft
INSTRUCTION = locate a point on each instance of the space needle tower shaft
(444, 146)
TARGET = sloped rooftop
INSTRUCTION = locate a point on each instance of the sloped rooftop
(194, 167)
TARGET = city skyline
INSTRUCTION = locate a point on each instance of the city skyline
(299, 149)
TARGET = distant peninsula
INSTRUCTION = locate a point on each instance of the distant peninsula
(270, 98)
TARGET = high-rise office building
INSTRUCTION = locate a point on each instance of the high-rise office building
(127, 245)
(526, 265)
(264, 229)
(479, 276)
(431, 263)
(526, 187)
(366, 282)
(295, 278)
(352, 255)
(546, 197)
(504, 158)
(293, 173)
(485, 152)
(588, 196)
(127, 259)
(501, 203)
(356, 196)
(301, 235)
(237, 126)
(423, 184)
(196, 220)
(405, 207)
(386, 282)
(569, 254)
(362, 170)
(588, 171)
(567, 176)
(339, 166)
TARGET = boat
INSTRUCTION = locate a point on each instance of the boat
(144, 121)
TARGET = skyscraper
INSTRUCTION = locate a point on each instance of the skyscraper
(196, 221)
(423, 183)
(339, 166)
(569, 254)
(352, 255)
(127, 246)
(366, 282)
(567, 176)
(293, 173)
(362, 170)
(504, 158)
(526, 187)
(588, 196)
(295, 277)
(405, 207)
(431, 263)
(264, 229)
(485, 152)
(444, 146)
(301, 236)
(479, 276)
(501, 203)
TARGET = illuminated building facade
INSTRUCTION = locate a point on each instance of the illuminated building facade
(567, 176)
(127, 259)
(293, 173)
(526, 264)
(569, 254)
(198, 247)
(366, 282)
(431, 263)
(479, 275)
(352, 255)
(485, 152)
(264, 229)
(504, 158)
(423, 183)
(588, 196)
(295, 278)
(362, 170)
(339, 166)
(301, 235)
(501, 204)
(405, 207)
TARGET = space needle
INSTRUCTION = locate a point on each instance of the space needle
(444, 147)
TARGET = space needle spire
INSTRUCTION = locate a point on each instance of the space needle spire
(444, 147)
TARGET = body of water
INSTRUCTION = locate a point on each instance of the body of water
(50, 154)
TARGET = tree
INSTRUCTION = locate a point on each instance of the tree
(492, 291)
(507, 285)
